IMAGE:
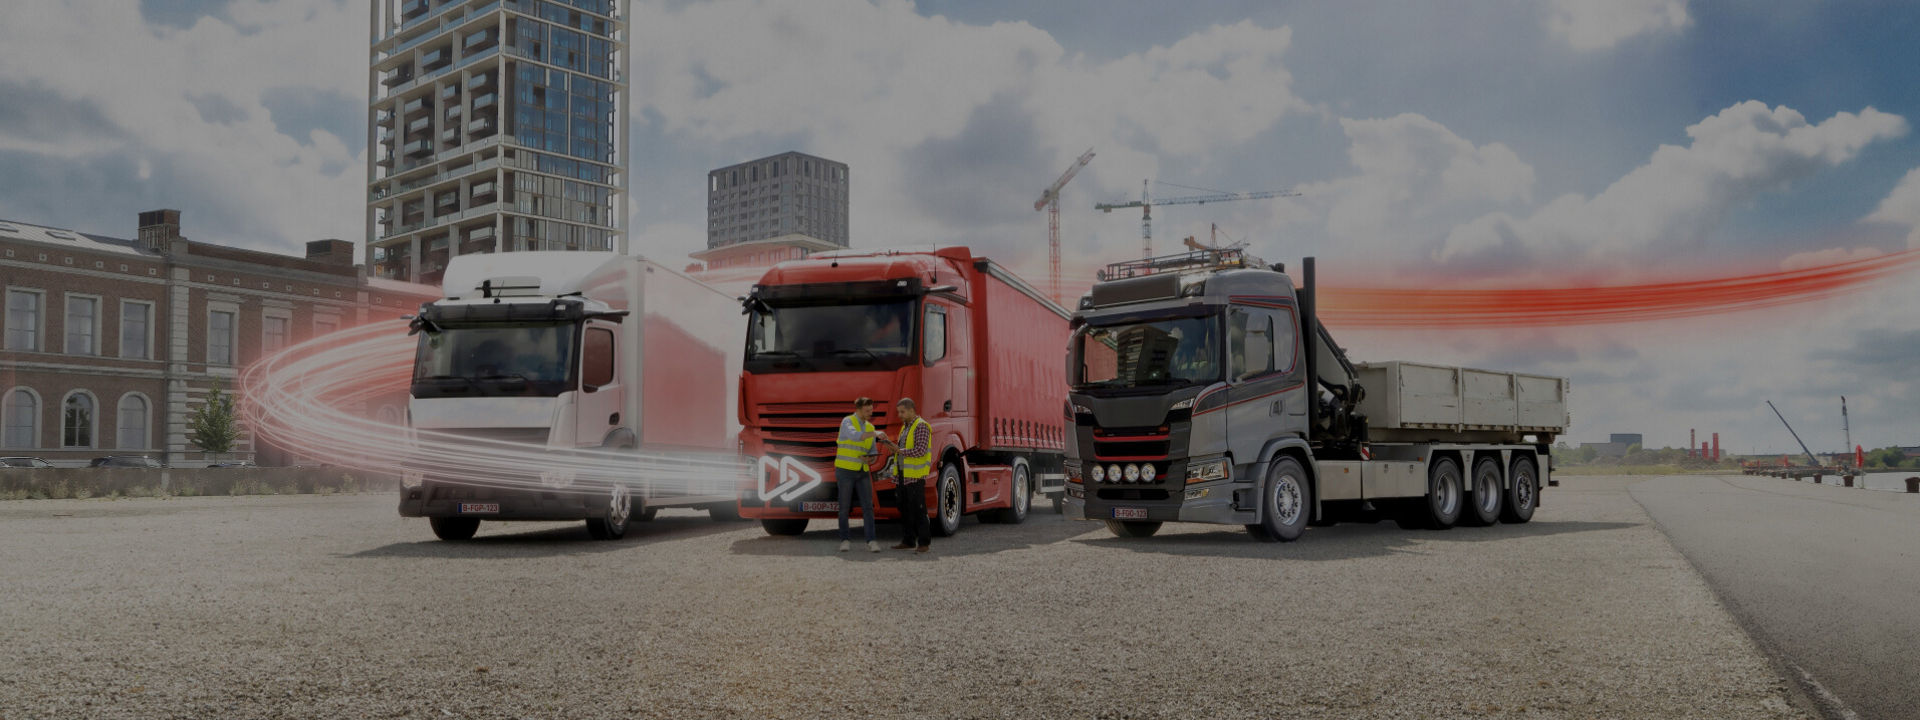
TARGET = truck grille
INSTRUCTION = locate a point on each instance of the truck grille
(530, 436)
(807, 430)
(1134, 444)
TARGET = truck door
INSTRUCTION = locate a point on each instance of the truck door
(603, 391)
(1266, 394)
(936, 379)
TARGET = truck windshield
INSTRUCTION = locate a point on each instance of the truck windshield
(1182, 351)
(876, 335)
(502, 359)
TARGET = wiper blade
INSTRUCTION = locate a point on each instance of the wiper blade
(868, 353)
(445, 378)
(498, 378)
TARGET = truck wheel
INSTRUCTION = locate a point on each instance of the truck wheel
(619, 511)
(1441, 508)
(1133, 528)
(1286, 501)
(1483, 504)
(454, 529)
(723, 512)
(1022, 501)
(793, 526)
(950, 509)
(1524, 495)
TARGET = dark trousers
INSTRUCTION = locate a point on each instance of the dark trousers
(855, 483)
(912, 498)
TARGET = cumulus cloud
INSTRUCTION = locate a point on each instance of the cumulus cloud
(1603, 24)
(1902, 207)
(183, 104)
(1681, 193)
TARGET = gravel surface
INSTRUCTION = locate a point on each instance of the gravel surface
(335, 607)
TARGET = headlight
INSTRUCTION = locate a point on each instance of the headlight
(1217, 469)
(1113, 471)
(1133, 473)
(1082, 410)
(1099, 473)
(1147, 472)
(1186, 404)
(1073, 472)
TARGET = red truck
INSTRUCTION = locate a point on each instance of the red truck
(977, 348)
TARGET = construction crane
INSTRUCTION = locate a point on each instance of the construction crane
(1050, 202)
(1146, 203)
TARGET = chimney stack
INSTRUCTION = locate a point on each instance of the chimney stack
(159, 231)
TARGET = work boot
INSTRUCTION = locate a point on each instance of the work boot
(924, 549)
(904, 545)
(845, 545)
(873, 546)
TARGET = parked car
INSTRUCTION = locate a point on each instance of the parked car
(138, 461)
(24, 462)
(233, 464)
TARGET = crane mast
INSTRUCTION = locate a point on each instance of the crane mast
(1050, 202)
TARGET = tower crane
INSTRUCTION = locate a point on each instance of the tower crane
(1050, 202)
(1146, 203)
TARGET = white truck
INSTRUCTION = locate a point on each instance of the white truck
(569, 386)
(1203, 388)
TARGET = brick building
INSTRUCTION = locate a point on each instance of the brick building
(111, 344)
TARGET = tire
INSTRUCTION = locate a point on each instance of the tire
(1286, 502)
(1442, 506)
(1133, 528)
(1523, 494)
(789, 527)
(1483, 504)
(619, 515)
(723, 512)
(1021, 503)
(454, 529)
(950, 503)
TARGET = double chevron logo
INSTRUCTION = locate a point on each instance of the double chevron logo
(795, 479)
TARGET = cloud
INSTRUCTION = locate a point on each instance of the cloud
(1682, 193)
(1902, 207)
(1603, 24)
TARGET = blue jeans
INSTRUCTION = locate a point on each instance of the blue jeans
(849, 481)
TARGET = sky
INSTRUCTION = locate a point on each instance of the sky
(1509, 143)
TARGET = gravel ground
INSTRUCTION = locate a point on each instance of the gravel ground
(335, 607)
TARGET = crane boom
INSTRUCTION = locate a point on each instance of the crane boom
(1050, 202)
(1146, 203)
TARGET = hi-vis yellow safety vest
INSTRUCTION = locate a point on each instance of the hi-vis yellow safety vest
(853, 453)
(913, 468)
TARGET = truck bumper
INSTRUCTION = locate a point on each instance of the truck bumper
(433, 499)
(1215, 504)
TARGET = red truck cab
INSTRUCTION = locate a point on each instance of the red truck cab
(898, 324)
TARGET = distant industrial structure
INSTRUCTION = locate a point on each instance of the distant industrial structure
(495, 125)
(1616, 444)
(781, 207)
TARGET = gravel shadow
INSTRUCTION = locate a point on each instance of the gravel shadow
(1344, 541)
(549, 541)
(975, 538)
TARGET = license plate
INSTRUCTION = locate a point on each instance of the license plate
(818, 506)
(1130, 513)
(493, 508)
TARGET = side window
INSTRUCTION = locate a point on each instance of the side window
(934, 342)
(1250, 339)
(597, 358)
(1286, 340)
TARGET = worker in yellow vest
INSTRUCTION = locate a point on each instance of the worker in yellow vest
(857, 436)
(916, 463)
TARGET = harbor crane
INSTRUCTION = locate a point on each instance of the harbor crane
(1050, 202)
(1147, 201)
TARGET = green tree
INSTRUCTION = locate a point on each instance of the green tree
(213, 426)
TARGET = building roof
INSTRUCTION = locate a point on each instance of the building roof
(798, 240)
(60, 237)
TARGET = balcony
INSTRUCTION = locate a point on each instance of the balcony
(453, 113)
(415, 105)
(418, 148)
(397, 77)
(413, 9)
(449, 92)
(480, 125)
(482, 40)
(450, 136)
(482, 102)
(477, 82)
(436, 58)
(419, 124)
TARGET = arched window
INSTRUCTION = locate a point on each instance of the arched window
(77, 420)
(134, 417)
(20, 419)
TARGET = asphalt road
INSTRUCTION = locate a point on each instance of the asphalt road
(335, 607)
(1826, 577)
